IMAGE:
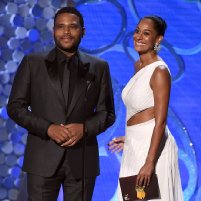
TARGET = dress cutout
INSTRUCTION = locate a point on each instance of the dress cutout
(137, 96)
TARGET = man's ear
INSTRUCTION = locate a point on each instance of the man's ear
(83, 31)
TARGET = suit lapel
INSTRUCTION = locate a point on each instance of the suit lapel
(52, 69)
(80, 87)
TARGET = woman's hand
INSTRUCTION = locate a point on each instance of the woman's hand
(116, 144)
(145, 173)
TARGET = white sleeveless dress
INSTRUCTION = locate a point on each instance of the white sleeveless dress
(137, 96)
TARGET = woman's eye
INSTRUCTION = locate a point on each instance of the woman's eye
(146, 33)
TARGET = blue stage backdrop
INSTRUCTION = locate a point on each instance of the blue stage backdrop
(26, 26)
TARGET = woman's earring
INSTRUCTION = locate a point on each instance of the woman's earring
(157, 47)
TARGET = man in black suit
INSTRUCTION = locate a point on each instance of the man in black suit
(59, 99)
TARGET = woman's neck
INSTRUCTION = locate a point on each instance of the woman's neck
(146, 59)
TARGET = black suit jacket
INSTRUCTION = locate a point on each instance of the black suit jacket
(36, 101)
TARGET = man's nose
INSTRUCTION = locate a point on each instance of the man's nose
(66, 29)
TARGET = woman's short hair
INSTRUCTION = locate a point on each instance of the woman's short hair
(159, 23)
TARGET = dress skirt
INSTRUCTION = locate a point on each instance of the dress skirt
(137, 142)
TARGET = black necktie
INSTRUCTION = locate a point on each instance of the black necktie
(66, 79)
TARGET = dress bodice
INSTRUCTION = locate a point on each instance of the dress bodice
(137, 94)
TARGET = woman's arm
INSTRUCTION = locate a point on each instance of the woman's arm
(160, 84)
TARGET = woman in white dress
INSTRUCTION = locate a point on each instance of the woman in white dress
(148, 146)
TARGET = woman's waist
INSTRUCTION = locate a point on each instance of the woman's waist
(139, 137)
(140, 132)
(141, 117)
(149, 123)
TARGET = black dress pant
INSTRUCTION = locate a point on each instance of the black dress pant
(47, 188)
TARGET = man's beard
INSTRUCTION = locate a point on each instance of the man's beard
(70, 50)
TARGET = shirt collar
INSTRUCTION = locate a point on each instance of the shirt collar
(61, 57)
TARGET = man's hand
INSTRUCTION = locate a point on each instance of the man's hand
(58, 133)
(76, 132)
